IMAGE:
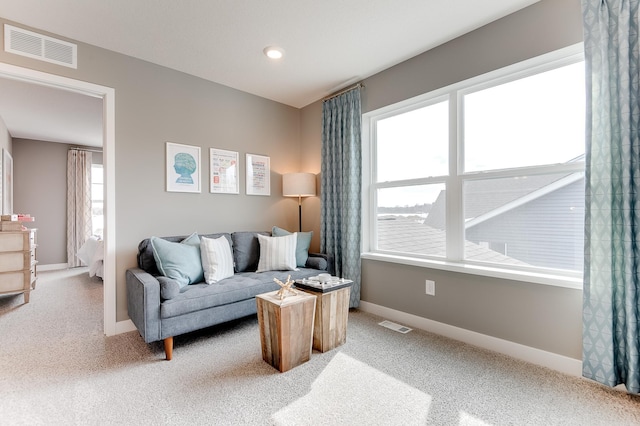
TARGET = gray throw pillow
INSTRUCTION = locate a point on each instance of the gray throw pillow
(317, 263)
(246, 250)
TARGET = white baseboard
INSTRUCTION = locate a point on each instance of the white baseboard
(52, 267)
(125, 326)
(550, 360)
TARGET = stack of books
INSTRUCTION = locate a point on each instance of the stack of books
(13, 222)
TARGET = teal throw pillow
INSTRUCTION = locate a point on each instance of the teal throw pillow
(180, 261)
(192, 239)
(302, 247)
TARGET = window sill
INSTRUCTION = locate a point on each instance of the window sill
(487, 271)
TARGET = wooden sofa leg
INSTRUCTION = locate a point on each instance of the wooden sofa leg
(168, 348)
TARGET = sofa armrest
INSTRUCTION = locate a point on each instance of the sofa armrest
(143, 303)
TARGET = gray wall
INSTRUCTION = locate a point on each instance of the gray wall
(311, 145)
(540, 316)
(5, 137)
(154, 105)
(40, 189)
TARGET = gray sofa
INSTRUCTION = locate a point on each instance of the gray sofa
(160, 309)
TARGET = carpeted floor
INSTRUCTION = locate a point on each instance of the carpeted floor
(57, 367)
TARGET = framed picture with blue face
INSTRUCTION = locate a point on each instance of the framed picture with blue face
(183, 168)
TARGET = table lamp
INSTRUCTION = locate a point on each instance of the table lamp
(299, 185)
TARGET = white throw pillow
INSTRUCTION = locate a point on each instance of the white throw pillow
(217, 261)
(277, 253)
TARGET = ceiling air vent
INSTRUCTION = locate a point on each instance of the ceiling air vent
(38, 46)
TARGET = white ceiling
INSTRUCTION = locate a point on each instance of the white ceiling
(328, 44)
(44, 113)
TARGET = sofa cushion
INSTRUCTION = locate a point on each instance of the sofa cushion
(242, 286)
(147, 262)
(180, 261)
(302, 246)
(197, 297)
(169, 288)
(269, 276)
(217, 260)
(277, 253)
(246, 250)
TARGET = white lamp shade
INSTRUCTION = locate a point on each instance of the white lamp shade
(299, 185)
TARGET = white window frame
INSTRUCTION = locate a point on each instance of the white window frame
(101, 167)
(454, 260)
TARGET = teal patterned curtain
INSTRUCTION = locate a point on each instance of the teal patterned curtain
(340, 211)
(611, 308)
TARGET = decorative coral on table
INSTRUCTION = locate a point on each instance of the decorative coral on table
(285, 288)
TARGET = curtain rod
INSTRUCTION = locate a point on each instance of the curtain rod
(348, 89)
(86, 149)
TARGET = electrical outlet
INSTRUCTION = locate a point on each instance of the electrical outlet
(430, 287)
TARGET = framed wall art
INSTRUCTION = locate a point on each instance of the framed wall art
(223, 169)
(183, 168)
(258, 175)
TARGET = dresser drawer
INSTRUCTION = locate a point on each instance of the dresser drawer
(16, 260)
(15, 281)
(15, 241)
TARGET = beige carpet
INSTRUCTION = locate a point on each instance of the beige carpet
(57, 368)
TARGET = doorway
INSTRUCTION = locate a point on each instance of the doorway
(107, 95)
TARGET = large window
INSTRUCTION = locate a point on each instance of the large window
(97, 200)
(488, 172)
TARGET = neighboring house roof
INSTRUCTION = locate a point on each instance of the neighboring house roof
(488, 198)
(551, 184)
(400, 234)
(484, 196)
(484, 200)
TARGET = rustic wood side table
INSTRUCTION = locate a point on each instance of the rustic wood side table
(332, 312)
(286, 328)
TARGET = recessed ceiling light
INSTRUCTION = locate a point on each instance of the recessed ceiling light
(273, 52)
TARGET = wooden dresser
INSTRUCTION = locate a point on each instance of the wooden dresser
(18, 262)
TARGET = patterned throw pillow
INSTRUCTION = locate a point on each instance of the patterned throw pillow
(217, 260)
(277, 253)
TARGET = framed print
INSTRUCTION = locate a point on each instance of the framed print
(258, 171)
(7, 182)
(223, 169)
(183, 168)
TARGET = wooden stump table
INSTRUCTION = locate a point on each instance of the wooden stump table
(332, 312)
(286, 328)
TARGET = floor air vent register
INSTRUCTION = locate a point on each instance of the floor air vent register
(395, 327)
